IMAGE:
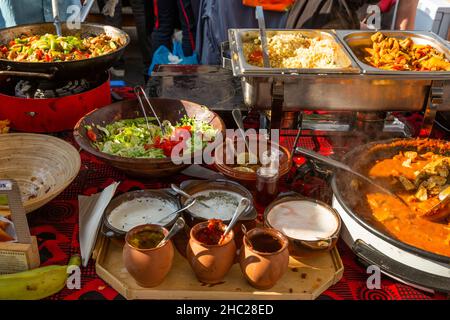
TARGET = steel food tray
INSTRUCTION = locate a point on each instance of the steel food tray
(356, 41)
(240, 66)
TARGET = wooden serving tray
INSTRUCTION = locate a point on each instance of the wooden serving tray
(306, 279)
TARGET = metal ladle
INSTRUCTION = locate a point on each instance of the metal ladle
(343, 166)
(138, 90)
(178, 225)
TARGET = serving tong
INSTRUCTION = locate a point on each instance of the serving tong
(138, 90)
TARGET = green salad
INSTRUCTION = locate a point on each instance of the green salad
(131, 138)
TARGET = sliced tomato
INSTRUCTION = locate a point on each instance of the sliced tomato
(91, 135)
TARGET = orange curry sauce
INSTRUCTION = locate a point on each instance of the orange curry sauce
(405, 223)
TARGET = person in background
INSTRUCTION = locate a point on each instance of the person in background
(326, 14)
(217, 16)
(143, 17)
(18, 12)
(169, 14)
(406, 13)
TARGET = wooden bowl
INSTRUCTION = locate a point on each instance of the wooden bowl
(167, 109)
(248, 179)
(42, 165)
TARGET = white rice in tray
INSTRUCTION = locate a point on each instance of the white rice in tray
(293, 50)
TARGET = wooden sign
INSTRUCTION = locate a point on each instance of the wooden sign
(23, 254)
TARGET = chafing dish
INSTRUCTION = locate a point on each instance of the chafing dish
(358, 87)
(242, 68)
(356, 41)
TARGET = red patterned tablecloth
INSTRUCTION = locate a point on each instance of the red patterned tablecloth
(56, 227)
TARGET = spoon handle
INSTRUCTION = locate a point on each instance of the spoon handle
(179, 224)
(243, 204)
(187, 195)
(343, 166)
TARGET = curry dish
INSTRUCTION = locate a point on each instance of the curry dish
(420, 180)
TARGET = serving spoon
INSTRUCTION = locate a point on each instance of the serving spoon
(56, 19)
(189, 203)
(187, 195)
(343, 166)
(262, 33)
(178, 225)
(243, 204)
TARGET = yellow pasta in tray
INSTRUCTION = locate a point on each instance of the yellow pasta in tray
(389, 53)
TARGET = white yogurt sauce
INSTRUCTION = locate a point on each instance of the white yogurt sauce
(222, 204)
(303, 220)
(142, 211)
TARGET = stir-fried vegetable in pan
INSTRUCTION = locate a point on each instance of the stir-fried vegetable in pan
(131, 138)
(404, 55)
(51, 48)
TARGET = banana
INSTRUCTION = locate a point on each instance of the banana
(37, 283)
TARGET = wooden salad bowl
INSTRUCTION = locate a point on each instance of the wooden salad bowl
(167, 109)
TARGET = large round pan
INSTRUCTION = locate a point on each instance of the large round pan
(362, 159)
(65, 69)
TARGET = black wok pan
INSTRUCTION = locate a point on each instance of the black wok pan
(65, 69)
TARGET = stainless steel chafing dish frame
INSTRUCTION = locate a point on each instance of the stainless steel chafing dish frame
(362, 37)
(242, 68)
(281, 90)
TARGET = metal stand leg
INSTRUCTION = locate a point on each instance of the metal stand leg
(277, 105)
(434, 101)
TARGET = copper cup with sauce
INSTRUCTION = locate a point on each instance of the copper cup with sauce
(264, 257)
(210, 262)
(148, 266)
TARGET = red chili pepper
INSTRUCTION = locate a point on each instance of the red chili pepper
(39, 54)
(48, 58)
(12, 42)
(256, 56)
(91, 135)
(3, 49)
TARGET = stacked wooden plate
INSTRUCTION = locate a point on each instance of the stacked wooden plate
(42, 165)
